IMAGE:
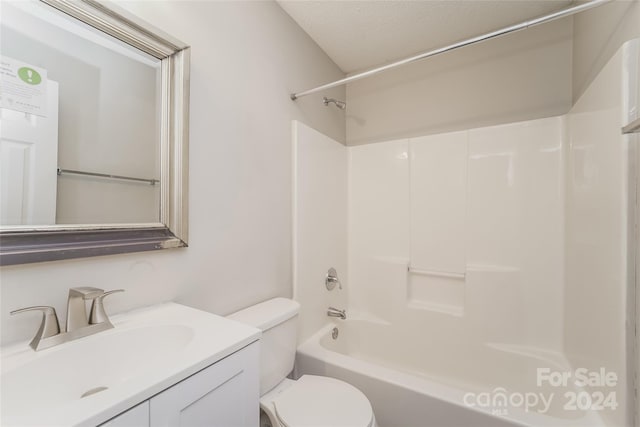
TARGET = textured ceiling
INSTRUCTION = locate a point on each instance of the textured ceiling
(362, 34)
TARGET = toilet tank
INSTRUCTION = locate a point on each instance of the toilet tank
(278, 319)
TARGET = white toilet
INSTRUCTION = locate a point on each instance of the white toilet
(309, 401)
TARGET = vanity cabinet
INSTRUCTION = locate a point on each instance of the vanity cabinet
(134, 417)
(225, 394)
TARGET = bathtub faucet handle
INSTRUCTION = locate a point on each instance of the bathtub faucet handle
(332, 279)
(334, 312)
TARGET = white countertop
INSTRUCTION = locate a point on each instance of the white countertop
(149, 350)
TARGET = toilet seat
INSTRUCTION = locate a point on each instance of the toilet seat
(320, 401)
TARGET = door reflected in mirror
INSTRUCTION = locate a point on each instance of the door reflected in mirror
(80, 123)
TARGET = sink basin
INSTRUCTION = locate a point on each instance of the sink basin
(92, 379)
(91, 364)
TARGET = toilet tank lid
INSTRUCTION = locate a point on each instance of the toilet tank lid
(268, 314)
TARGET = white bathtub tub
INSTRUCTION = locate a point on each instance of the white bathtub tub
(430, 384)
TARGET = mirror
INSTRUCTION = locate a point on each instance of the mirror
(93, 133)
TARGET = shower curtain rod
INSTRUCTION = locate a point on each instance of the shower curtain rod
(493, 34)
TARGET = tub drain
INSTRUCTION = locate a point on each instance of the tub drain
(334, 333)
(93, 391)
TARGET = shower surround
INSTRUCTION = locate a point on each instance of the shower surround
(478, 260)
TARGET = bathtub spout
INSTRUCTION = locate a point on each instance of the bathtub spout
(334, 312)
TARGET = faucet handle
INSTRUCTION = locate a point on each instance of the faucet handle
(49, 326)
(98, 315)
(331, 279)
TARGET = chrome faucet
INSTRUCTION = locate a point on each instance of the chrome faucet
(334, 312)
(78, 323)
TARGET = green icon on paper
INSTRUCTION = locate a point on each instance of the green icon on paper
(29, 75)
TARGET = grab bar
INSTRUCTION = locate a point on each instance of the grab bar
(436, 273)
(107, 176)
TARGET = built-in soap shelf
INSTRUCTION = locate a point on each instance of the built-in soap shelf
(437, 291)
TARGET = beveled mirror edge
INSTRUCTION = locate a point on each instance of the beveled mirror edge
(42, 243)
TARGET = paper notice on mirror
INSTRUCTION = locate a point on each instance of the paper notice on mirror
(23, 87)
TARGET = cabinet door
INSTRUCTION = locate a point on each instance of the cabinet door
(138, 416)
(226, 394)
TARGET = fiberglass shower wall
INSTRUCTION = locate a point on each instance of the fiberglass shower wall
(319, 225)
(518, 236)
(601, 191)
(462, 234)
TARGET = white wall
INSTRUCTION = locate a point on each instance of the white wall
(480, 214)
(521, 76)
(320, 225)
(246, 58)
(600, 204)
(597, 35)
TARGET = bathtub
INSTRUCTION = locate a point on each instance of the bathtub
(410, 385)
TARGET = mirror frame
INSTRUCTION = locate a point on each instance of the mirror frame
(27, 244)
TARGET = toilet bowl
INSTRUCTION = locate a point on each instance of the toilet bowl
(310, 401)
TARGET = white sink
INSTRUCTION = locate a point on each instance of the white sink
(92, 379)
